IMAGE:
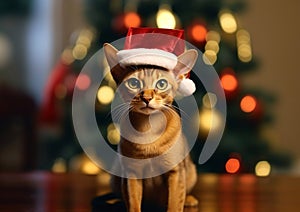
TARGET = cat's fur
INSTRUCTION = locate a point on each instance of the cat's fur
(144, 88)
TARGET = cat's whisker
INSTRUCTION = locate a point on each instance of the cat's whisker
(182, 112)
(119, 111)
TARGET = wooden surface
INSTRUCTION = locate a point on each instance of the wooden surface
(42, 191)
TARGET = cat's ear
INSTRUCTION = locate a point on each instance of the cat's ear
(111, 55)
(185, 62)
(116, 70)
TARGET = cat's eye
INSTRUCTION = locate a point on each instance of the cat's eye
(162, 84)
(133, 83)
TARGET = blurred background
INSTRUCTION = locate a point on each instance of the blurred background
(253, 46)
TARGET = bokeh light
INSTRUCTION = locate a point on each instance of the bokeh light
(263, 169)
(245, 53)
(248, 104)
(244, 45)
(213, 35)
(228, 22)
(113, 134)
(88, 167)
(232, 165)
(210, 120)
(198, 32)
(165, 18)
(209, 100)
(209, 57)
(229, 82)
(212, 45)
(105, 95)
(132, 19)
(79, 51)
(83, 82)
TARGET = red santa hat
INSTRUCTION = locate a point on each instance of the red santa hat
(156, 46)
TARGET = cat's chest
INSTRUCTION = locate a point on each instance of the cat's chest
(143, 131)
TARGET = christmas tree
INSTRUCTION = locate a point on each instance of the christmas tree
(211, 26)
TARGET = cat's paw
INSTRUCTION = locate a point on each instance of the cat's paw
(190, 201)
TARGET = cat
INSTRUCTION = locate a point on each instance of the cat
(154, 130)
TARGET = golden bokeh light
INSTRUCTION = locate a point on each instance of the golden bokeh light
(105, 95)
(212, 45)
(209, 100)
(210, 120)
(67, 56)
(244, 45)
(213, 36)
(113, 134)
(165, 18)
(242, 36)
(263, 169)
(59, 166)
(209, 57)
(245, 52)
(79, 52)
(88, 167)
(228, 22)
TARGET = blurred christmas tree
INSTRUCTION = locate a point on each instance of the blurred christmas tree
(210, 25)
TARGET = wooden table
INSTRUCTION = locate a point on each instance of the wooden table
(40, 191)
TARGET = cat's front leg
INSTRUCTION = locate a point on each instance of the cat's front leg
(132, 192)
(176, 190)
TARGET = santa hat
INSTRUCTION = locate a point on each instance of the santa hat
(156, 46)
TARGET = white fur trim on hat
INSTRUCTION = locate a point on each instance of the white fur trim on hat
(186, 87)
(142, 56)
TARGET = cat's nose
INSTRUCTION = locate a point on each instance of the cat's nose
(147, 96)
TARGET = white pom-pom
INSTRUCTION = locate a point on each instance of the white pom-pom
(186, 87)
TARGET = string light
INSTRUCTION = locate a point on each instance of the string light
(105, 95)
(232, 165)
(228, 22)
(211, 48)
(165, 18)
(244, 45)
(263, 169)
(248, 104)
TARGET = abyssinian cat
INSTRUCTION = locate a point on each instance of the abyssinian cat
(154, 130)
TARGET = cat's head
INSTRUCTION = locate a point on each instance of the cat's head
(149, 87)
